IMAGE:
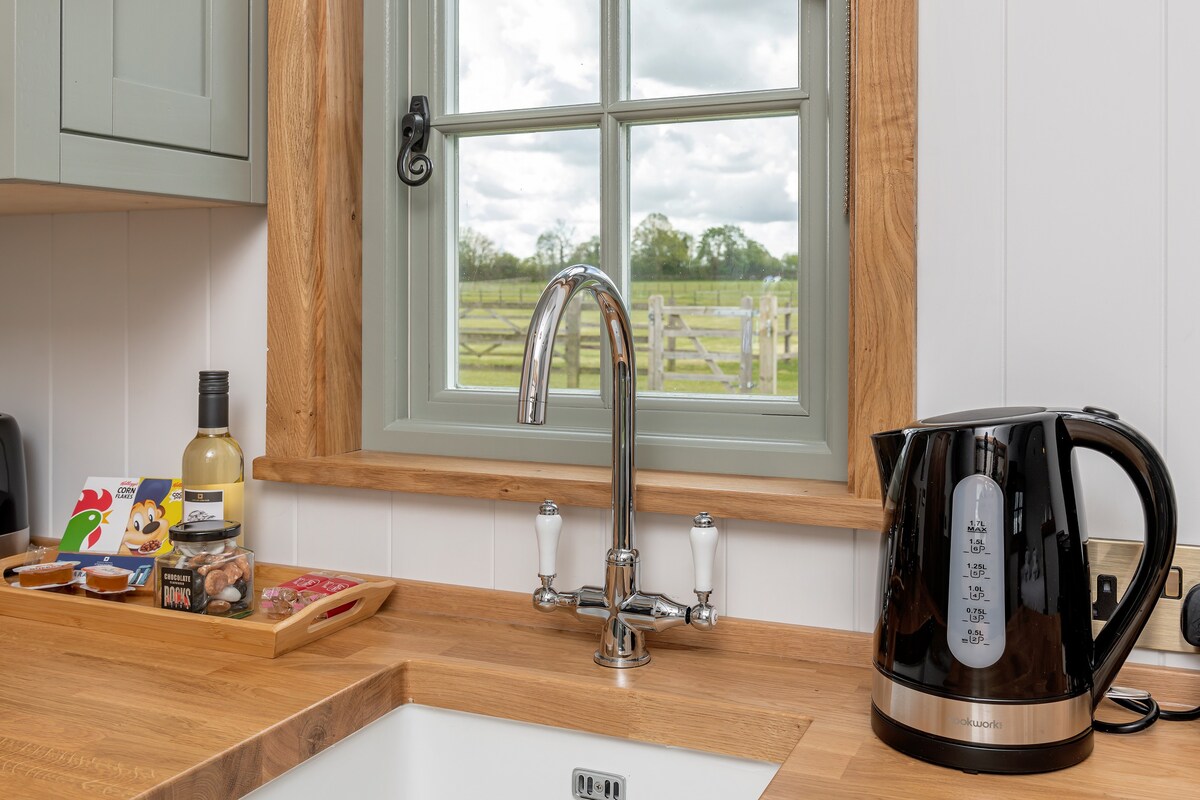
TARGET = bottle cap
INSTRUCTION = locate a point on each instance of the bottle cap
(214, 381)
(548, 509)
(703, 520)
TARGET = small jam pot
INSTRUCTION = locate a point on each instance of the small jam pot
(114, 597)
(54, 573)
(106, 578)
(206, 572)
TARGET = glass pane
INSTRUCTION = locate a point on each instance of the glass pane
(687, 47)
(527, 54)
(714, 222)
(528, 205)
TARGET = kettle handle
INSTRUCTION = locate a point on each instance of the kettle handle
(1103, 432)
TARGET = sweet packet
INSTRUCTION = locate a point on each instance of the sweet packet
(298, 593)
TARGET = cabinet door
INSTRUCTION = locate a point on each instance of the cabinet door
(168, 72)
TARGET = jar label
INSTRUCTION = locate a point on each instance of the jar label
(181, 589)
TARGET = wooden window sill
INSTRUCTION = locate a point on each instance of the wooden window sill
(792, 500)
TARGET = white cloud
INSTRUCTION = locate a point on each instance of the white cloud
(682, 47)
(514, 186)
(527, 53)
(705, 174)
(522, 53)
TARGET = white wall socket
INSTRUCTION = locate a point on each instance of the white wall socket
(1118, 558)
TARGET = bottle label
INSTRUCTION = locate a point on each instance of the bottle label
(219, 501)
(203, 504)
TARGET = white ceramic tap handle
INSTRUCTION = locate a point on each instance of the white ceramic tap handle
(547, 525)
(704, 551)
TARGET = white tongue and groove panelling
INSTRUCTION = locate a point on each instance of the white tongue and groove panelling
(1056, 246)
(1086, 271)
(109, 316)
(1057, 255)
(1057, 265)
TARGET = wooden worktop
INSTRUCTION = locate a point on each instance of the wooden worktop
(90, 715)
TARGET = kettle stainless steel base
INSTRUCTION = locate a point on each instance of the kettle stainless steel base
(13, 543)
(981, 736)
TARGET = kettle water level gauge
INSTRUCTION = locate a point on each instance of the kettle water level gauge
(975, 608)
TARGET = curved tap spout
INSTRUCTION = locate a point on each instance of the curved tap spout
(535, 380)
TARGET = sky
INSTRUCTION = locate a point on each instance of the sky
(535, 53)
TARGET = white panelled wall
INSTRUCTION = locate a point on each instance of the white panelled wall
(1056, 187)
(105, 320)
(1057, 245)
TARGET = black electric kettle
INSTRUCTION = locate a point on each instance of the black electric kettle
(984, 657)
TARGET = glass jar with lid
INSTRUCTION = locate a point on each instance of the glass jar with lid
(205, 572)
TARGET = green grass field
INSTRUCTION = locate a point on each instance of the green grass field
(494, 316)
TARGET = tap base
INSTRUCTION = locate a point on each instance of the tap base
(621, 646)
(621, 662)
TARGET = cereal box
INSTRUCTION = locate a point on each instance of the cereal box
(126, 516)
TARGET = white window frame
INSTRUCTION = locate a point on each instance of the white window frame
(408, 257)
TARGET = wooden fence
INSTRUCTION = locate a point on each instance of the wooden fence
(671, 335)
(668, 327)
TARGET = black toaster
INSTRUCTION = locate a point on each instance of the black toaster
(14, 499)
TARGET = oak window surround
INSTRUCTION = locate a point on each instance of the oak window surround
(314, 336)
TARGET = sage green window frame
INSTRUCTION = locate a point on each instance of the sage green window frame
(407, 262)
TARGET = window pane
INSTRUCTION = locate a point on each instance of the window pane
(527, 54)
(687, 47)
(713, 253)
(528, 205)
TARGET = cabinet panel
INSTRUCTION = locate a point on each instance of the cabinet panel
(162, 116)
(87, 39)
(170, 72)
(93, 114)
(92, 161)
(229, 69)
(29, 81)
(161, 44)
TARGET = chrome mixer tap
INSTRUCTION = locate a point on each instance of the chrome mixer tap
(625, 611)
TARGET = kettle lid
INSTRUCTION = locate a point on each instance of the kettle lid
(981, 417)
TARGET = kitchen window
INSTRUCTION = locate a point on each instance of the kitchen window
(692, 150)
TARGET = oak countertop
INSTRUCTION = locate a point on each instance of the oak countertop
(89, 715)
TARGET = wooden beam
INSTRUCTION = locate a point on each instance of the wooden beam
(314, 228)
(883, 259)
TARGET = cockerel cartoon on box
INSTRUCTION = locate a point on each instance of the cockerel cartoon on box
(84, 528)
(98, 521)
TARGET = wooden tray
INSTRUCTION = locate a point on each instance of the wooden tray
(255, 635)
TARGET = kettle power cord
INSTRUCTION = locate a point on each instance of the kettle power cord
(1142, 703)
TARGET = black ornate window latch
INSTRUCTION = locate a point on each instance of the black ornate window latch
(413, 165)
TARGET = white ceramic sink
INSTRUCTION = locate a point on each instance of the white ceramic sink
(421, 753)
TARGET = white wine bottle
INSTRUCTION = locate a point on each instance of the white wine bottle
(213, 465)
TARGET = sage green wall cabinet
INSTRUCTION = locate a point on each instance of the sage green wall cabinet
(108, 104)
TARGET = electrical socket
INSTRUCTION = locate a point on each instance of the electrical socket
(1118, 558)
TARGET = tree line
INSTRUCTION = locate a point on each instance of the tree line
(658, 251)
